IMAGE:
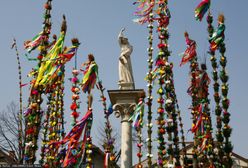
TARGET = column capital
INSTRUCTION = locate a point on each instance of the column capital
(124, 110)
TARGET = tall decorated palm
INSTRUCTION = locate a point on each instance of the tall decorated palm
(108, 143)
(198, 90)
(34, 115)
(216, 86)
(157, 11)
(223, 116)
(145, 15)
(20, 114)
(190, 55)
(162, 58)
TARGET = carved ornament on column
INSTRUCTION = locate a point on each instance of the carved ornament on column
(124, 110)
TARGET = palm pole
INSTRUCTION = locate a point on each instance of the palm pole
(45, 123)
(61, 122)
(216, 86)
(138, 125)
(147, 16)
(75, 86)
(160, 66)
(20, 117)
(178, 112)
(202, 125)
(108, 143)
(88, 147)
(195, 106)
(75, 105)
(44, 145)
(207, 143)
(33, 120)
(226, 130)
(164, 70)
(161, 123)
(75, 95)
(171, 105)
(55, 117)
(166, 78)
(170, 97)
(190, 55)
(55, 122)
(172, 116)
(150, 88)
(52, 135)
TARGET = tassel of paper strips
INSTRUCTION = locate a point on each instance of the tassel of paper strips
(201, 9)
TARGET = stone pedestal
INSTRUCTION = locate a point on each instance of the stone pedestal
(124, 102)
(126, 86)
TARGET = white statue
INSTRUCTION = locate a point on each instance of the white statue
(126, 81)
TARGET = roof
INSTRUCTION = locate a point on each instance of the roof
(190, 145)
(240, 157)
(5, 158)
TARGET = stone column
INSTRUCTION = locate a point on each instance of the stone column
(124, 102)
(124, 111)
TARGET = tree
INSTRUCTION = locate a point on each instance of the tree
(102, 139)
(9, 135)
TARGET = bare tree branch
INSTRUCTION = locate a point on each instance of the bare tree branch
(9, 137)
(10, 144)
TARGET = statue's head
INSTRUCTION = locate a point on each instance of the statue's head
(124, 40)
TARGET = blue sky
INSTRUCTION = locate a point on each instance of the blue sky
(97, 23)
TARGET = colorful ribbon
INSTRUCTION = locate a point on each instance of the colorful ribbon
(201, 9)
(190, 52)
(90, 76)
